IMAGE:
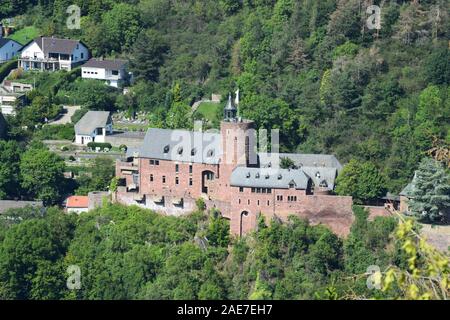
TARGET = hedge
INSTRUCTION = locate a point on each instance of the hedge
(6, 68)
(102, 146)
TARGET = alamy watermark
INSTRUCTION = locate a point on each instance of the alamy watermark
(374, 277)
(374, 20)
(74, 279)
(73, 22)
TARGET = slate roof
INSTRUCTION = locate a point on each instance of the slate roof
(4, 41)
(322, 176)
(91, 121)
(269, 178)
(12, 204)
(301, 160)
(105, 64)
(177, 145)
(56, 45)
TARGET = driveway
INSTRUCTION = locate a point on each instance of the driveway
(66, 116)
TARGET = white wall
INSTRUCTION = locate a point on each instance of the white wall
(80, 54)
(9, 50)
(31, 50)
(93, 73)
(79, 139)
(77, 210)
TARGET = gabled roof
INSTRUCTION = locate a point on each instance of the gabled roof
(182, 145)
(56, 45)
(105, 64)
(4, 41)
(301, 160)
(324, 177)
(91, 121)
(269, 178)
(77, 202)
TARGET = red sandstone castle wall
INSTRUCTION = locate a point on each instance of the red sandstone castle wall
(333, 211)
(167, 169)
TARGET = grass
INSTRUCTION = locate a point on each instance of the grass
(209, 110)
(23, 36)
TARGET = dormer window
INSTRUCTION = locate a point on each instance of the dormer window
(180, 151)
(248, 175)
(318, 175)
(323, 184)
(267, 176)
(210, 153)
(193, 152)
(166, 149)
(258, 176)
(280, 177)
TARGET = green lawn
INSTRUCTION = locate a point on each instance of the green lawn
(209, 110)
(25, 35)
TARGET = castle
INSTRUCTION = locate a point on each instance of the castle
(174, 168)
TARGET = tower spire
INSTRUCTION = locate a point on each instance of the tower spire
(230, 111)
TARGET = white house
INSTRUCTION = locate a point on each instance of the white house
(51, 54)
(77, 204)
(113, 72)
(9, 101)
(93, 127)
(8, 49)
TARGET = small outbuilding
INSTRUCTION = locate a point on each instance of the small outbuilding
(93, 127)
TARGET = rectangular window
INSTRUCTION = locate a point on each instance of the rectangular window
(191, 169)
(253, 190)
(164, 179)
(269, 190)
(177, 180)
(239, 201)
(152, 162)
(248, 202)
(258, 202)
(241, 189)
(151, 178)
(177, 168)
(190, 182)
(268, 203)
(258, 190)
(156, 162)
(115, 73)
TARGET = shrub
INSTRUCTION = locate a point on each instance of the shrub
(123, 148)
(102, 146)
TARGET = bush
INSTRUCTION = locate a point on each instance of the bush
(123, 148)
(56, 132)
(72, 158)
(201, 205)
(6, 68)
(102, 146)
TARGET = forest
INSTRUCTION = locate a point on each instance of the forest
(376, 98)
(132, 253)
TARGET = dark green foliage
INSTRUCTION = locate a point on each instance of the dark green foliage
(101, 145)
(430, 194)
(131, 253)
(361, 180)
(56, 132)
(99, 178)
(9, 169)
(41, 173)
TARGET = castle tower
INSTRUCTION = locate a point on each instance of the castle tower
(238, 138)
